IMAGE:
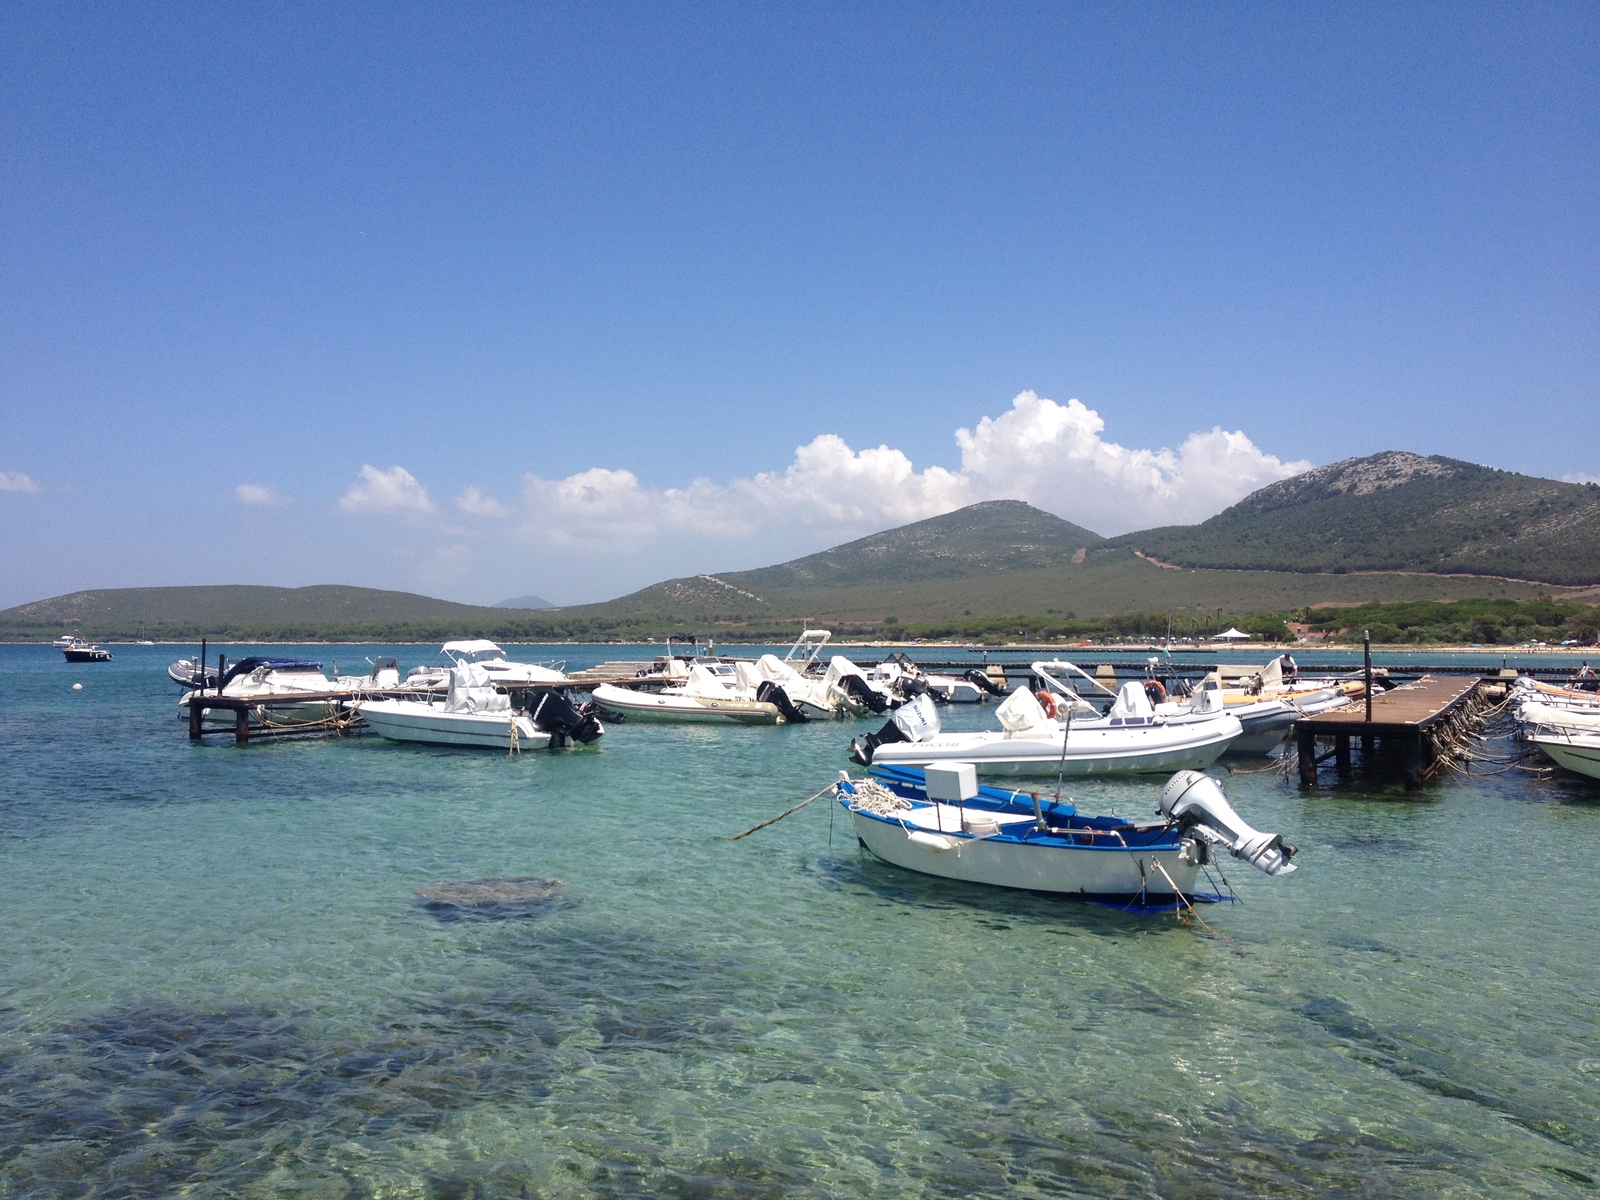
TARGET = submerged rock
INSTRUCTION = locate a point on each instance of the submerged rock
(480, 895)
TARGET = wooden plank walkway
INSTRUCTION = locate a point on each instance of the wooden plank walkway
(1415, 705)
(1422, 719)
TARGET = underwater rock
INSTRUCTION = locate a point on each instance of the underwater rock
(482, 895)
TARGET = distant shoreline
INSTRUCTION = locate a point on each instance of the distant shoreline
(976, 648)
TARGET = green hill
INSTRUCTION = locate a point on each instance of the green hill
(246, 612)
(1399, 512)
(1393, 528)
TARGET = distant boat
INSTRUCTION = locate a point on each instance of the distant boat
(79, 651)
(480, 652)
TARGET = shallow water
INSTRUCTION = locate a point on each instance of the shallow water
(217, 977)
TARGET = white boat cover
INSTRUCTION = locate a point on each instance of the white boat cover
(471, 692)
(1132, 702)
(1021, 715)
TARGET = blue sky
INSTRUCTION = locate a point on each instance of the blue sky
(483, 300)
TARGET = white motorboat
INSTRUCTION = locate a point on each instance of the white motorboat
(475, 712)
(480, 652)
(1130, 739)
(712, 692)
(955, 689)
(1578, 752)
(941, 822)
(841, 690)
(264, 678)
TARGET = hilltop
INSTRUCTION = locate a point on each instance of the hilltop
(1398, 512)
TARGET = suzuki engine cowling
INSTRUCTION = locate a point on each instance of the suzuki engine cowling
(1197, 803)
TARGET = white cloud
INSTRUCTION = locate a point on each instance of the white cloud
(477, 504)
(394, 491)
(16, 481)
(259, 494)
(1052, 455)
(1580, 477)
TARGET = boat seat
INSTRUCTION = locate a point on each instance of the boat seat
(948, 817)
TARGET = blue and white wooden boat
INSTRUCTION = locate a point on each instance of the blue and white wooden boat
(940, 822)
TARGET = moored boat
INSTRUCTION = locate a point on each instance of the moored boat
(79, 651)
(1130, 739)
(942, 822)
(476, 713)
(712, 693)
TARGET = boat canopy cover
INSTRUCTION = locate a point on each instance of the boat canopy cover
(1132, 702)
(1021, 712)
(246, 666)
(471, 646)
(1231, 634)
(471, 692)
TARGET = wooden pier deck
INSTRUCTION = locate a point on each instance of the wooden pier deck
(1416, 719)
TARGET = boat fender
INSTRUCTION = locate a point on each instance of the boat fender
(1155, 690)
(1048, 702)
(933, 841)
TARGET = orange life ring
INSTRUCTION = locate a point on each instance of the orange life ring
(1049, 703)
(1155, 691)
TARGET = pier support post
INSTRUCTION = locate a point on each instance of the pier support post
(241, 726)
(1306, 747)
(196, 711)
(1415, 764)
(1341, 752)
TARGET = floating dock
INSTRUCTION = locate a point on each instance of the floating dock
(1423, 721)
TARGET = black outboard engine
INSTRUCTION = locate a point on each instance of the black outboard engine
(862, 751)
(563, 720)
(915, 721)
(982, 680)
(773, 693)
(858, 687)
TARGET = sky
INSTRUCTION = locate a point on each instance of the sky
(481, 300)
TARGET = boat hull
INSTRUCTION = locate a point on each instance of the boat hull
(1101, 872)
(87, 656)
(1581, 756)
(655, 706)
(1137, 751)
(411, 721)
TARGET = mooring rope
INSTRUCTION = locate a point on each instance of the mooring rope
(787, 811)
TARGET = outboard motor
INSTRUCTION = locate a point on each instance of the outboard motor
(984, 682)
(914, 722)
(564, 721)
(1196, 802)
(858, 687)
(771, 693)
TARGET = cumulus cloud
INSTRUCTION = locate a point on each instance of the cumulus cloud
(392, 492)
(16, 481)
(263, 494)
(477, 504)
(1054, 456)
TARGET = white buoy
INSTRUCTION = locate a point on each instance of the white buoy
(77, 687)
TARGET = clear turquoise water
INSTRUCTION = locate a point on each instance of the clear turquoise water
(216, 979)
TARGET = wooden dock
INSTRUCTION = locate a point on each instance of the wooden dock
(1420, 720)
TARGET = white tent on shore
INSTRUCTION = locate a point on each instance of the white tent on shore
(1231, 635)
